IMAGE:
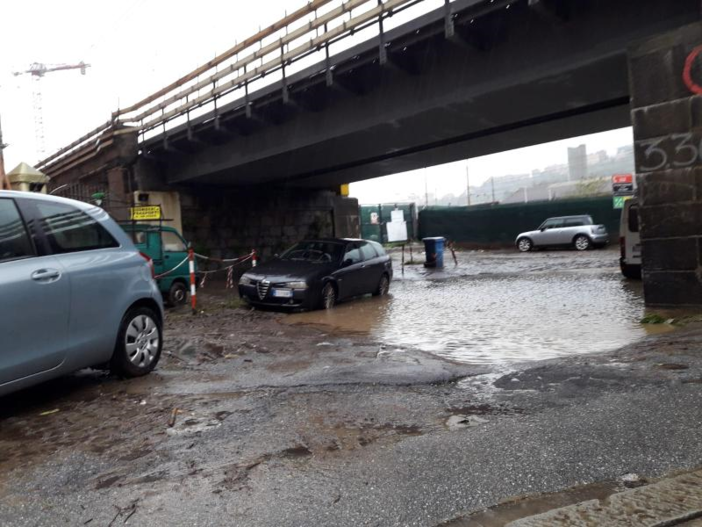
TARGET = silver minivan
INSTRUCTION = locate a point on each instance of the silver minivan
(74, 293)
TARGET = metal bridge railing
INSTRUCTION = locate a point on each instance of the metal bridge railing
(253, 59)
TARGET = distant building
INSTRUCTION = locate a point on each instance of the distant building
(577, 163)
(597, 157)
(568, 189)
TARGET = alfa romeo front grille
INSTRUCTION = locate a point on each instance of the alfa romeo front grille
(262, 288)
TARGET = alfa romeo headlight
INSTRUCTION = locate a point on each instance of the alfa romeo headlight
(297, 285)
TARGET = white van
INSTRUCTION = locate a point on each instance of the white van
(630, 240)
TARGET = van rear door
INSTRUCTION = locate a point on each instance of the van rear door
(630, 230)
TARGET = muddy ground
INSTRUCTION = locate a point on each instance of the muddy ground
(251, 420)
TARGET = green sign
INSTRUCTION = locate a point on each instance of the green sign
(619, 201)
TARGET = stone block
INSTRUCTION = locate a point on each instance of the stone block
(696, 112)
(656, 76)
(663, 119)
(656, 66)
(669, 186)
(670, 221)
(669, 152)
(676, 254)
(673, 288)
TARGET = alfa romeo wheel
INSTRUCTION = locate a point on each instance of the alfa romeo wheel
(525, 245)
(328, 296)
(582, 243)
(138, 345)
(383, 286)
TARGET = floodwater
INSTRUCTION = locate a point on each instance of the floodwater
(501, 307)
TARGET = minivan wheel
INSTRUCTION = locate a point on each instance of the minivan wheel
(328, 296)
(139, 343)
(582, 243)
(177, 294)
(525, 245)
(383, 286)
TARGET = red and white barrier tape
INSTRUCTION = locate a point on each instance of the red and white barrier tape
(226, 260)
(171, 270)
(192, 255)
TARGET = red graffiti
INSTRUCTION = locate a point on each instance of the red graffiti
(687, 72)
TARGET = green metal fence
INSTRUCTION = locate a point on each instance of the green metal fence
(500, 224)
(374, 218)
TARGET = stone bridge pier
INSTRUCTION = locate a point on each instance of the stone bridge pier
(666, 98)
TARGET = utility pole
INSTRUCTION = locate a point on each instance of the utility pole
(426, 189)
(4, 181)
(492, 181)
(468, 184)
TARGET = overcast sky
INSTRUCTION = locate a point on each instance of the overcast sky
(451, 177)
(135, 47)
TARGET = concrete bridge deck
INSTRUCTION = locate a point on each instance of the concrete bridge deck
(514, 74)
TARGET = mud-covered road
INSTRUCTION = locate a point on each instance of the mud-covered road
(253, 420)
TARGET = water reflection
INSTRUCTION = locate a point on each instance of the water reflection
(499, 318)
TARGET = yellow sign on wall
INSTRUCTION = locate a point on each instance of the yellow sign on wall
(144, 213)
(344, 191)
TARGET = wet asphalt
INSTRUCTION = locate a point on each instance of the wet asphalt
(296, 424)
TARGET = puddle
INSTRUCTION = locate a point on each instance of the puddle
(497, 319)
(503, 307)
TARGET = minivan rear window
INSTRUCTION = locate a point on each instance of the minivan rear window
(14, 240)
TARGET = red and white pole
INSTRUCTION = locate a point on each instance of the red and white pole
(254, 258)
(193, 292)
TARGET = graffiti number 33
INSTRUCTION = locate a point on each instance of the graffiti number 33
(685, 153)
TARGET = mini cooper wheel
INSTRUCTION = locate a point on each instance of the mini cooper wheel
(582, 243)
(525, 245)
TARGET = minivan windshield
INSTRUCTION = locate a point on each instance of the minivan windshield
(314, 251)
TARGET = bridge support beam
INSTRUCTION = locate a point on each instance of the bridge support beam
(666, 90)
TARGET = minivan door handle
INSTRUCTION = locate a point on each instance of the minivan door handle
(46, 275)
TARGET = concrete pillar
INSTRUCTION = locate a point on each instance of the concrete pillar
(117, 185)
(666, 90)
(347, 220)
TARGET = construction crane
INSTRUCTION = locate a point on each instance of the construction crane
(37, 70)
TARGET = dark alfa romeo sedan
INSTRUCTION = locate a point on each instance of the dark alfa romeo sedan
(319, 273)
